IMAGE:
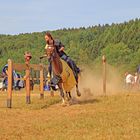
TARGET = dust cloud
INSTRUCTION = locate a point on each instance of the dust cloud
(91, 81)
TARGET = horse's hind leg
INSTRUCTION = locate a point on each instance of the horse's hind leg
(77, 91)
(68, 96)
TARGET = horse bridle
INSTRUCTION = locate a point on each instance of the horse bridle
(52, 51)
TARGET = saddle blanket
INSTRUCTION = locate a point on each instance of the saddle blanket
(67, 77)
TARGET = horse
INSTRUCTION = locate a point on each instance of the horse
(67, 80)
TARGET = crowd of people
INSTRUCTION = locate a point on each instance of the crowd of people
(17, 84)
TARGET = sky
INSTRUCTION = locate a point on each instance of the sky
(27, 16)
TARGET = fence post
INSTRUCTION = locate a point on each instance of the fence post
(28, 100)
(27, 56)
(10, 76)
(104, 74)
(41, 82)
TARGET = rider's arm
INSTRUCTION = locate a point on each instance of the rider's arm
(59, 46)
(61, 49)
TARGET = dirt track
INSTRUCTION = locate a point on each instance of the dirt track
(111, 117)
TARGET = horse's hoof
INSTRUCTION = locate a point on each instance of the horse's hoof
(68, 99)
(63, 104)
(78, 93)
(70, 102)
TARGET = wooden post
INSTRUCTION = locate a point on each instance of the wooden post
(41, 82)
(104, 74)
(28, 100)
(10, 76)
(27, 56)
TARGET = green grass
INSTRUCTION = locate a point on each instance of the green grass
(115, 117)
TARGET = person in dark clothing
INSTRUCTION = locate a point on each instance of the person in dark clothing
(17, 84)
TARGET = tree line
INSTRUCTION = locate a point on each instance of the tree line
(119, 42)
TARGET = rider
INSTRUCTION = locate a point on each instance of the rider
(60, 50)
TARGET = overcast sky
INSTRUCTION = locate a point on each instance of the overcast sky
(26, 16)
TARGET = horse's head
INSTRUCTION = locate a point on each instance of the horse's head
(50, 51)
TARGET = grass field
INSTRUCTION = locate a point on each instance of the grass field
(115, 117)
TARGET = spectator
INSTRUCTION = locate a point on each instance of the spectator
(129, 80)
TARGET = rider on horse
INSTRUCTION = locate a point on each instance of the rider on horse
(60, 50)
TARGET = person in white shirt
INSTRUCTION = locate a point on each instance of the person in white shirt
(129, 80)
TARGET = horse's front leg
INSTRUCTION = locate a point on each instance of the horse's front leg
(77, 90)
(61, 93)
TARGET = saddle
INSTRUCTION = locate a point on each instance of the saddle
(72, 65)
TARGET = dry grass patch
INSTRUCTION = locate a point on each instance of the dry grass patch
(113, 117)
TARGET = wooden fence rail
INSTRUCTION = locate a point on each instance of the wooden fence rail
(27, 67)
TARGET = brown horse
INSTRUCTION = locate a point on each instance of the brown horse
(61, 69)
